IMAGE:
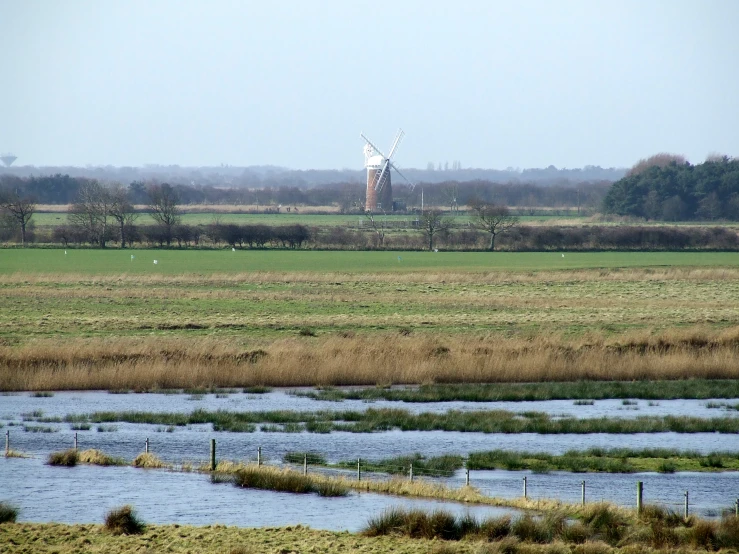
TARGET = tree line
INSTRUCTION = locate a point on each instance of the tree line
(666, 187)
(349, 197)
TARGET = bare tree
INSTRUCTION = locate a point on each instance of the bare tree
(121, 210)
(164, 206)
(492, 219)
(378, 226)
(451, 193)
(91, 212)
(20, 209)
(432, 223)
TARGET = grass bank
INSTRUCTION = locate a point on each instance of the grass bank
(378, 420)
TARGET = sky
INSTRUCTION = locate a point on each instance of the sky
(292, 83)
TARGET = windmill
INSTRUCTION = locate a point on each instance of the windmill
(379, 188)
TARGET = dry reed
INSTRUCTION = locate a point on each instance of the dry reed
(148, 461)
(386, 358)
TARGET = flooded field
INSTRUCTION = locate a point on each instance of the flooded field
(42, 491)
(84, 494)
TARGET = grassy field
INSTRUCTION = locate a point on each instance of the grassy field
(210, 262)
(222, 318)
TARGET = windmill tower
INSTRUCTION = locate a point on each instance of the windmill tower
(379, 187)
(8, 159)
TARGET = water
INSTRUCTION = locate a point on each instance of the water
(63, 403)
(41, 490)
(84, 494)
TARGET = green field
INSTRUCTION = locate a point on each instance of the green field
(208, 262)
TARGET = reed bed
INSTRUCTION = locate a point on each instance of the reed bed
(385, 358)
(376, 420)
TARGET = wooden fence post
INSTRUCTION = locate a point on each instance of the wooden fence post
(582, 493)
(467, 477)
(359, 470)
(146, 446)
(212, 454)
(259, 455)
(75, 441)
(410, 474)
(525, 492)
(639, 496)
(686, 504)
(7, 442)
(305, 464)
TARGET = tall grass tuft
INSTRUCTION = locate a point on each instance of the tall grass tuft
(66, 458)
(259, 477)
(8, 512)
(98, 458)
(124, 521)
(148, 460)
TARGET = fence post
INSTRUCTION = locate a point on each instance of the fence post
(359, 470)
(736, 507)
(410, 474)
(7, 442)
(686, 504)
(212, 454)
(467, 477)
(525, 492)
(639, 493)
(259, 455)
(305, 464)
(146, 446)
(75, 441)
(582, 493)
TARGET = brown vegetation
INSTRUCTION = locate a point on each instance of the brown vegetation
(387, 358)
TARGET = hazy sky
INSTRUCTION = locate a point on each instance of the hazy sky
(292, 83)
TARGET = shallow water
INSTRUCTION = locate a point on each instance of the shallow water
(76, 402)
(84, 494)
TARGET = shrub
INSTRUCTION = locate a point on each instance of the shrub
(66, 458)
(8, 512)
(123, 521)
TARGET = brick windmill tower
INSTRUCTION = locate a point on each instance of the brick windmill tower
(379, 187)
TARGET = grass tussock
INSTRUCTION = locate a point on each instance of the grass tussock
(8, 512)
(147, 460)
(65, 458)
(124, 521)
(15, 454)
(99, 458)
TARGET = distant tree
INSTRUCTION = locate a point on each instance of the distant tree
(19, 210)
(663, 159)
(432, 223)
(492, 219)
(378, 226)
(122, 211)
(164, 206)
(91, 212)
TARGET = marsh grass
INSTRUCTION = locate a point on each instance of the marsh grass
(261, 477)
(66, 458)
(147, 460)
(8, 512)
(124, 521)
(98, 458)
(313, 458)
(10, 453)
(618, 460)
(440, 466)
(376, 420)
